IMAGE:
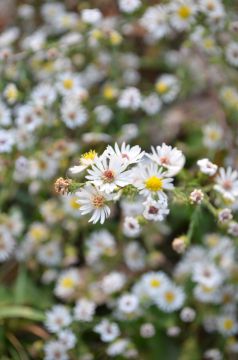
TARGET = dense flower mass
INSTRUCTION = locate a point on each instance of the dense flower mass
(119, 179)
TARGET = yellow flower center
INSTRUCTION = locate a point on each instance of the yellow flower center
(155, 283)
(67, 282)
(169, 296)
(109, 92)
(161, 87)
(68, 84)
(214, 135)
(90, 155)
(228, 324)
(184, 11)
(74, 204)
(154, 183)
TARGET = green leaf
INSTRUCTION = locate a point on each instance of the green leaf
(11, 311)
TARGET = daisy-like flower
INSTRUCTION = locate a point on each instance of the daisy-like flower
(207, 274)
(84, 310)
(154, 282)
(207, 167)
(131, 227)
(227, 183)
(113, 282)
(67, 283)
(213, 134)
(86, 160)
(57, 318)
(207, 294)
(232, 54)
(171, 298)
(11, 93)
(151, 104)
(129, 6)
(73, 114)
(155, 210)
(6, 141)
(67, 338)
(92, 200)
(7, 244)
(151, 180)
(130, 98)
(128, 303)
(183, 12)
(108, 331)
(54, 349)
(167, 86)
(170, 158)
(127, 154)
(108, 174)
(227, 324)
(155, 21)
(91, 16)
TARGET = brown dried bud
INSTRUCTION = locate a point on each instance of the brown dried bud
(179, 244)
(62, 186)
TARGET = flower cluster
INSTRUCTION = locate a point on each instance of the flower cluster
(119, 179)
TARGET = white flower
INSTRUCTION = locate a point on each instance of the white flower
(227, 325)
(100, 243)
(55, 350)
(73, 114)
(187, 314)
(103, 114)
(153, 282)
(196, 196)
(93, 201)
(28, 118)
(6, 140)
(131, 227)
(108, 331)
(167, 86)
(134, 256)
(68, 83)
(44, 94)
(171, 298)
(113, 282)
(86, 160)
(118, 347)
(151, 180)
(67, 282)
(50, 254)
(211, 8)
(108, 174)
(129, 6)
(91, 16)
(182, 14)
(57, 318)
(7, 244)
(213, 134)
(155, 210)
(151, 104)
(5, 115)
(127, 154)
(207, 167)
(227, 183)
(155, 21)
(207, 274)
(84, 310)
(170, 158)
(232, 53)
(206, 294)
(67, 338)
(128, 303)
(130, 98)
